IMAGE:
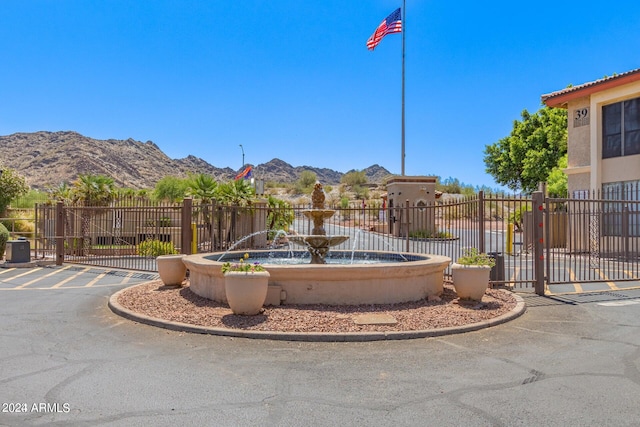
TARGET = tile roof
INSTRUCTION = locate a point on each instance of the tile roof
(561, 97)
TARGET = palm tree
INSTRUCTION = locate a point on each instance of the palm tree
(203, 188)
(92, 192)
(61, 193)
(238, 193)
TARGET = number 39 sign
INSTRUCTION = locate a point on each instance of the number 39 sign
(581, 117)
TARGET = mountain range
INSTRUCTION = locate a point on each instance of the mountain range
(47, 159)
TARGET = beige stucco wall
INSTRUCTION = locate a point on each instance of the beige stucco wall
(578, 147)
(415, 189)
(615, 169)
(586, 170)
(578, 182)
(579, 152)
(412, 188)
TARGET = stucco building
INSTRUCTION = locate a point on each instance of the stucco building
(604, 160)
(603, 136)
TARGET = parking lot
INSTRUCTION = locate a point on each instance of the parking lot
(67, 360)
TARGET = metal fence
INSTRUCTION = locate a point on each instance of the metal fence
(115, 235)
(535, 241)
(592, 240)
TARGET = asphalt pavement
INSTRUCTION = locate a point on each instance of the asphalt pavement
(67, 360)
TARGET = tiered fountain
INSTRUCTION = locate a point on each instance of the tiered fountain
(392, 277)
(318, 243)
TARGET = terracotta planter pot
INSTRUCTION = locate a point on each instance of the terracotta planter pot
(171, 269)
(470, 281)
(246, 292)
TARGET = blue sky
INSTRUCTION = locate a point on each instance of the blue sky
(293, 79)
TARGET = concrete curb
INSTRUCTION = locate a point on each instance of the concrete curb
(118, 309)
(30, 264)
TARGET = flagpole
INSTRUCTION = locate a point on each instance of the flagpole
(404, 29)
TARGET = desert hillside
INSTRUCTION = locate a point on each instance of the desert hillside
(47, 159)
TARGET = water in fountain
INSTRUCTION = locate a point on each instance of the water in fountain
(388, 246)
(278, 234)
(244, 239)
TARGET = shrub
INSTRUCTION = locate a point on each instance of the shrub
(279, 217)
(424, 234)
(18, 223)
(155, 247)
(471, 256)
(4, 236)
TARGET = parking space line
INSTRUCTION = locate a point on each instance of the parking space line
(7, 270)
(574, 282)
(95, 280)
(608, 281)
(24, 285)
(25, 274)
(128, 277)
(70, 278)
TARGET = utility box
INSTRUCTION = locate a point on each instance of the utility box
(497, 271)
(18, 251)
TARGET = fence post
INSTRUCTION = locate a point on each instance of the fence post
(538, 241)
(625, 232)
(481, 221)
(35, 230)
(187, 216)
(60, 215)
(406, 205)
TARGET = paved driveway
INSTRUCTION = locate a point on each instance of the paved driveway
(66, 360)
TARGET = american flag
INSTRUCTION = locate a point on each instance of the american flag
(391, 24)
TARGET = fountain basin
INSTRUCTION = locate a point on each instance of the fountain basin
(393, 278)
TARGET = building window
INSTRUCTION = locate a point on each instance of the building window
(621, 217)
(621, 128)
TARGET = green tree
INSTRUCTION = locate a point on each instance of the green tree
(535, 145)
(354, 178)
(307, 179)
(171, 189)
(451, 186)
(12, 186)
(360, 192)
(557, 180)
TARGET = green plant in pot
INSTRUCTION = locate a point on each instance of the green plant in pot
(245, 285)
(471, 256)
(471, 274)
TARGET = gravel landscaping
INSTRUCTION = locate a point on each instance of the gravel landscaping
(179, 304)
